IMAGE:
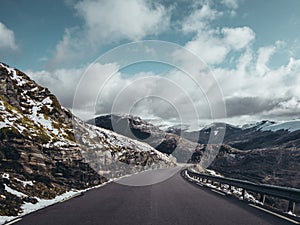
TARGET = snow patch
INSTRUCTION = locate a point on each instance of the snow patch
(5, 176)
(24, 183)
(14, 192)
(290, 126)
(2, 124)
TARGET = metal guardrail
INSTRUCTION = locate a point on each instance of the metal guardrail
(290, 194)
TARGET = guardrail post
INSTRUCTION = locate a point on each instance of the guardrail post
(262, 198)
(291, 207)
(244, 193)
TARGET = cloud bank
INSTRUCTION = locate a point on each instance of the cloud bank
(252, 89)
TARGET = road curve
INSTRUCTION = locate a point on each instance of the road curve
(171, 202)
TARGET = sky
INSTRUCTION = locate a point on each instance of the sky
(236, 61)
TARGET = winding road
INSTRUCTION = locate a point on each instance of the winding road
(164, 198)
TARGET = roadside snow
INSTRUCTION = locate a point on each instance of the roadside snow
(5, 219)
(42, 203)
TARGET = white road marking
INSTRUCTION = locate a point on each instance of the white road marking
(275, 214)
(217, 192)
(13, 221)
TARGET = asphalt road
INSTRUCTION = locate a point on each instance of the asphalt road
(172, 202)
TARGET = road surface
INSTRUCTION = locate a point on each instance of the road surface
(171, 202)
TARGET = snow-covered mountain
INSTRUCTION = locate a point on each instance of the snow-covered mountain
(266, 125)
(266, 151)
(256, 152)
(258, 135)
(136, 128)
(45, 151)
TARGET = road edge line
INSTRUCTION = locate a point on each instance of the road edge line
(274, 213)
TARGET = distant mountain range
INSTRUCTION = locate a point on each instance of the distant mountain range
(251, 136)
(46, 151)
(265, 152)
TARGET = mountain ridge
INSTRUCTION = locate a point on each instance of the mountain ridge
(269, 157)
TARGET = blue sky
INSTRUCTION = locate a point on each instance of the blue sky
(39, 26)
(53, 39)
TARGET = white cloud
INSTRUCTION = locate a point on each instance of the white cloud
(239, 37)
(7, 38)
(174, 95)
(252, 89)
(64, 82)
(107, 22)
(115, 20)
(233, 4)
(68, 49)
(200, 18)
(212, 50)
(264, 55)
(214, 45)
(253, 96)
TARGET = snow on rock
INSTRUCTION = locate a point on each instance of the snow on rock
(2, 124)
(36, 115)
(42, 203)
(258, 125)
(5, 176)
(20, 81)
(290, 126)
(24, 183)
(14, 192)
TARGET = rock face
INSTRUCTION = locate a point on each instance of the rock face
(264, 134)
(46, 151)
(136, 128)
(265, 152)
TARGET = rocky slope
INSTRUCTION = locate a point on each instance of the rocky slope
(136, 128)
(45, 151)
(265, 152)
(264, 134)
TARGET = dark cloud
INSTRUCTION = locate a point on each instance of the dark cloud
(238, 106)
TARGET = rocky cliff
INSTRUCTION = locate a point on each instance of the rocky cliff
(45, 151)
